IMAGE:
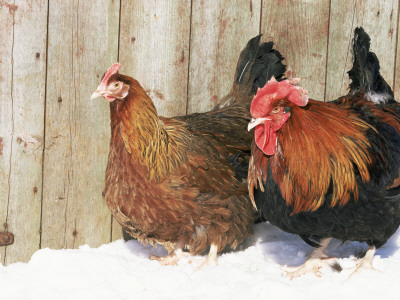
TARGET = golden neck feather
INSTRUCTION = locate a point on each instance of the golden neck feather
(145, 136)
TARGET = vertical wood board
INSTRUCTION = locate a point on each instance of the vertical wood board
(83, 42)
(6, 111)
(220, 30)
(300, 32)
(154, 49)
(25, 107)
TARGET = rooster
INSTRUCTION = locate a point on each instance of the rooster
(169, 180)
(327, 170)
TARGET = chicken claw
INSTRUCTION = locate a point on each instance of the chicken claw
(314, 262)
(311, 265)
(365, 263)
(172, 258)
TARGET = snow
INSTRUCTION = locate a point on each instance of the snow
(122, 270)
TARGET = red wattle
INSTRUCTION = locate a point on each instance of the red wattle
(265, 138)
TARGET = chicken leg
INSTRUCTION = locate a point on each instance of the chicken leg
(365, 263)
(211, 258)
(314, 262)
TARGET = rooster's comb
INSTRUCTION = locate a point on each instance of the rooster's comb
(277, 90)
(111, 71)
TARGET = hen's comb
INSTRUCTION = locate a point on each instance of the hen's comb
(111, 71)
(274, 90)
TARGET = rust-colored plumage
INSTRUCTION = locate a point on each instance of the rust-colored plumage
(328, 170)
(169, 180)
(311, 133)
(167, 184)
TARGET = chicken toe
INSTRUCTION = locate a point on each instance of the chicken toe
(314, 262)
(311, 265)
(365, 263)
(171, 259)
(210, 260)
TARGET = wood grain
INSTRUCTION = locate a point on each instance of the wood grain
(379, 20)
(6, 112)
(300, 32)
(154, 49)
(220, 30)
(23, 112)
(83, 42)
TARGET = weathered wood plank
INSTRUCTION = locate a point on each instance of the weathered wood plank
(220, 30)
(82, 43)
(6, 126)
(300, 31)
(379, 20)
(23, 70)
(154, 49)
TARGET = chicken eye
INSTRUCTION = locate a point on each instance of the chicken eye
(276, 109)
(116, 84)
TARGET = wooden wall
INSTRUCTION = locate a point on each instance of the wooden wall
(54, 139)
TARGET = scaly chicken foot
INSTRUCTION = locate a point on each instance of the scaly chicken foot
(365, 263)
(211, 259)
(311, 265)
(173, 257)
(314, 262)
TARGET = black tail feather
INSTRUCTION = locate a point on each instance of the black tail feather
(365, 75)
(256, 65)
(247, 56)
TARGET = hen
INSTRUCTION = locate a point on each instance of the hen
(327, 170)
(169, 180)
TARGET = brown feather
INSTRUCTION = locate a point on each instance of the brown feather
(168, 180)
(311, 132)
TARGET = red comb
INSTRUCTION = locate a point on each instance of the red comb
(274, 90)
(111, 71)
